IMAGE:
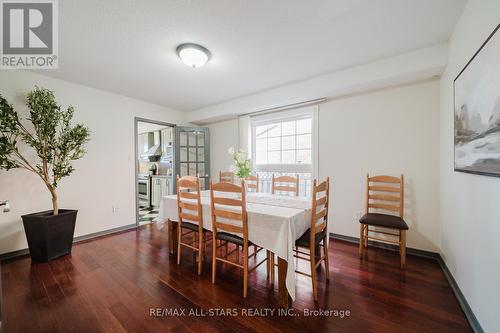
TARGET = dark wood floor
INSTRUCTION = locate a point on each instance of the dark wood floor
(110, 285)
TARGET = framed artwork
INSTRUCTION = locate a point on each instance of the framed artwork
(476, 91)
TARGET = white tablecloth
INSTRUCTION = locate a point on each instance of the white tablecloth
(274, 223)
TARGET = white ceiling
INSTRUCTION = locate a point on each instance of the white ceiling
(128, 46)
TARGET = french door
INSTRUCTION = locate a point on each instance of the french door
(192, 151)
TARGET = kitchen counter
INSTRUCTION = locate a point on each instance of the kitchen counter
(161, 185)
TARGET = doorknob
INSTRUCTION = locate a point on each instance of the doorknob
(6, 205)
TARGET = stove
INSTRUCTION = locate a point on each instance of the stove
(144, 190)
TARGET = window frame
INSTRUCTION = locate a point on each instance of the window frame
(283, 116)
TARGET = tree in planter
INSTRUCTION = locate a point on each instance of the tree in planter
(55, 141)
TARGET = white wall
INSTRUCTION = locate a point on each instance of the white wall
(223, 135)
(390, 131)
(105, 177)
(470, 214)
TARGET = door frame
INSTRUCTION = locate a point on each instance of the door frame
(136, 159)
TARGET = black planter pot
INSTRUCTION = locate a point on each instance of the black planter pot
(49, 236)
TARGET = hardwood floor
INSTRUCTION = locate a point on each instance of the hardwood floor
(112, 283)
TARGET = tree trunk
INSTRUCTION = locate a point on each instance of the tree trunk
(55, 207)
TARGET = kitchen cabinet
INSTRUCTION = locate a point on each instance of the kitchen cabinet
(160, 187)
(167, 147)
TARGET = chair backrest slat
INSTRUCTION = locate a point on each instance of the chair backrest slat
(226, 187)
(188, 195)
(252, 182)
(320, 227)
(384, 189)
(384, 206)
(384, 197)
(189, 217)
(292, 184)
(320, 214)
(321, 201)
(227, 201)
(227, 215)
(229, 227)
(188, 206)
(226, 177)
(385, 193)
(384, 179)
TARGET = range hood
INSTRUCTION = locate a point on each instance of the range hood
(153, 151)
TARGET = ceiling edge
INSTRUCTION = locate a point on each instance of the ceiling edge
(408, 67)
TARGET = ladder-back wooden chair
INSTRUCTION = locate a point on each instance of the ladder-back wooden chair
(190, 216)
(252, 182)
(226, 177)
(229, 225)
(286, 184)
(316, 236)
(384, 194)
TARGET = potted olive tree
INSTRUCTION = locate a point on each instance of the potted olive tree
(56, 143)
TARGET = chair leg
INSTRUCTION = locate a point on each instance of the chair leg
(238, 253)
(325, 253)
(214, 258)
(361, 240)
(179, 238)
(313, 272)
(268, 262)
(200, 251)
(195, 244)
(245, 270)
(366, 235)
(271, 264)
(205, 243)
(402, 247)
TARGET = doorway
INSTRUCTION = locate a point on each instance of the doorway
(154, 166)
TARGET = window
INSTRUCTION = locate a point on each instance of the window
(283, 143)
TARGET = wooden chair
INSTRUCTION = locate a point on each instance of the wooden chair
(292, 184)
(226, 177)
(190, 216)
(384, 194)
(229, 217)
(317, 235)
(252, 182)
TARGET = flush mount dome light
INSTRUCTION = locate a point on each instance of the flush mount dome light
(193, 55)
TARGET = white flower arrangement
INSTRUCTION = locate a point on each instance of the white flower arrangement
(242, 166)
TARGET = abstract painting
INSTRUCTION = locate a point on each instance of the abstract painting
(477, 111)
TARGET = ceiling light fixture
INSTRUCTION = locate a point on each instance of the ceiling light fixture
(193, 55)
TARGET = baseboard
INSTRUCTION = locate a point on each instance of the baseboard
(79, 239)
(104, 233)
(469, 314)
(390, 247)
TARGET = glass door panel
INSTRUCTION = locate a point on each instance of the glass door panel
(193, 153)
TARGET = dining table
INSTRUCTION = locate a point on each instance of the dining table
(275, 222)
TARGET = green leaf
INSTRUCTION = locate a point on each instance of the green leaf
(54, 139)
